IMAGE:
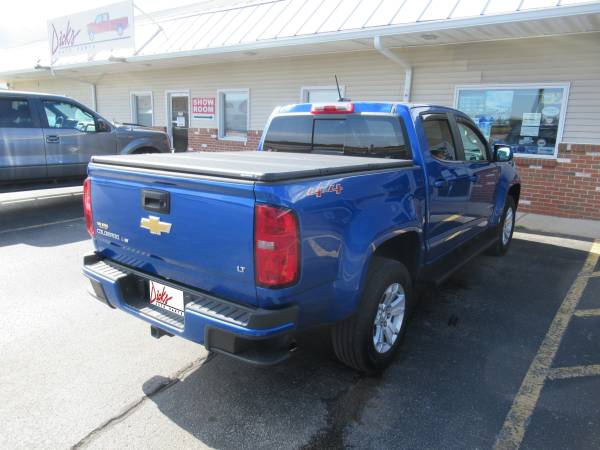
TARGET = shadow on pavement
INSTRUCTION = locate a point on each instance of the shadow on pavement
(43, 223)
(468, 346)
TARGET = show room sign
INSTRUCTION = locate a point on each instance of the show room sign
(89, 32)
(203, 107)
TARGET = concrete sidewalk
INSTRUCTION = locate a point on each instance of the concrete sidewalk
(38, 193)
(538, 223)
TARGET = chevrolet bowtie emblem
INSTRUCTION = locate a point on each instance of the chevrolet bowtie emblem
(155, 226)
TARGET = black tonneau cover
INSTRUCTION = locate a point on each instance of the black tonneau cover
(253, 165)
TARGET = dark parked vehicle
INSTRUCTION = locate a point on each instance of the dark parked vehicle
(51, 136)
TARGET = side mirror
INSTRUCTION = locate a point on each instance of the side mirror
(502, 153)
(103, 126)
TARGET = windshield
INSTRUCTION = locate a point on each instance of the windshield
(355, 135)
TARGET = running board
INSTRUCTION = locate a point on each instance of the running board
(439, 271)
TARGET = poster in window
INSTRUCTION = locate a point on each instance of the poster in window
(525, 118)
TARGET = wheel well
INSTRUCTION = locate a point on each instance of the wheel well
(515, 193)
(405, 248)
(139, 151)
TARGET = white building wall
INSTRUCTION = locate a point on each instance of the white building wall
(367, 75)
(79, 90)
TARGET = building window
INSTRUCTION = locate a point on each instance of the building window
(528, 118)
(320, 94)
(142, 108)
(234, 114)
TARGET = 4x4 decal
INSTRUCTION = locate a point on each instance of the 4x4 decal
(319, 191)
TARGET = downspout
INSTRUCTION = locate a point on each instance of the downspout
(94, 104)
(401, 62)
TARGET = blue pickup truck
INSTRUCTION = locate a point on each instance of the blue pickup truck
(345, 210)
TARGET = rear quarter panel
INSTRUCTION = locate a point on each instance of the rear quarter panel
(339, 232)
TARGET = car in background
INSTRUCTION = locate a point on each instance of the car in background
(44, 136)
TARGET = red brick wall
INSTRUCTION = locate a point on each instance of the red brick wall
(567, 187)
(205, 140)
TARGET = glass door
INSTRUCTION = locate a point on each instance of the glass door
(178, 114)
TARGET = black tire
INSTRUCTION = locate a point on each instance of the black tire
(501, 246)
(353, 338)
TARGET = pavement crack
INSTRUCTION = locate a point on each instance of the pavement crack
(164, 384)
(343, 409)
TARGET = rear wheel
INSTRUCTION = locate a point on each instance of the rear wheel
(506, 227)
(368, 340)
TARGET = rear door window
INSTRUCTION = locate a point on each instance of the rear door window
(371, 136)
(15, 113)
(289, 134)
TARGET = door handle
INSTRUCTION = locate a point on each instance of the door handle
(52, 139)
(440, 183)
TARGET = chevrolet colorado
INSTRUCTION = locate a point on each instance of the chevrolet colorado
(345, 209)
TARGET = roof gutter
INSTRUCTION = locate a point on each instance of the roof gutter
(401, 62)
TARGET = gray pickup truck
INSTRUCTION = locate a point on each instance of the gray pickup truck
(46, 136)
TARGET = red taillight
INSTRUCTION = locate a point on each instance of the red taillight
(276, 246)
(87, 207)
(332, 108)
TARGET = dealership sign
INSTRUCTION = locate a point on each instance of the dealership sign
(89, 32)
(203, 107)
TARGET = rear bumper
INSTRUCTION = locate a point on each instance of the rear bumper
(255, 335)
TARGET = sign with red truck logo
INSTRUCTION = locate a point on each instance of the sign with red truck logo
(107, 28)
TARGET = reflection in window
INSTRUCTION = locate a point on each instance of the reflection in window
(526, 119)
(141, 108)
(233, 111)
(68, 116)
(473, 146)
(15, 113)
(360, 135)
(439, 139)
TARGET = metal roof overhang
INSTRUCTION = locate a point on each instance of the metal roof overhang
(575, 19)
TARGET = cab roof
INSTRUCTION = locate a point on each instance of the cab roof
(360, 107)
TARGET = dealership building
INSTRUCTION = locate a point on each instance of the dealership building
(527, 71)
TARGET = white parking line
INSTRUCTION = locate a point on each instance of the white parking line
(525, 402)
(41, 225)
(588, 312)
(561, 373)
(575, 244)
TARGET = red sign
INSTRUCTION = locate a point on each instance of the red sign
(203, 107)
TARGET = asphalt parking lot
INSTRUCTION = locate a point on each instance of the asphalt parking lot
(505, 354)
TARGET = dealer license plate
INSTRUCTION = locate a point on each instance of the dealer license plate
(166, 297)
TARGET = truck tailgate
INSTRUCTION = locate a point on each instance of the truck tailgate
(209, 244)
